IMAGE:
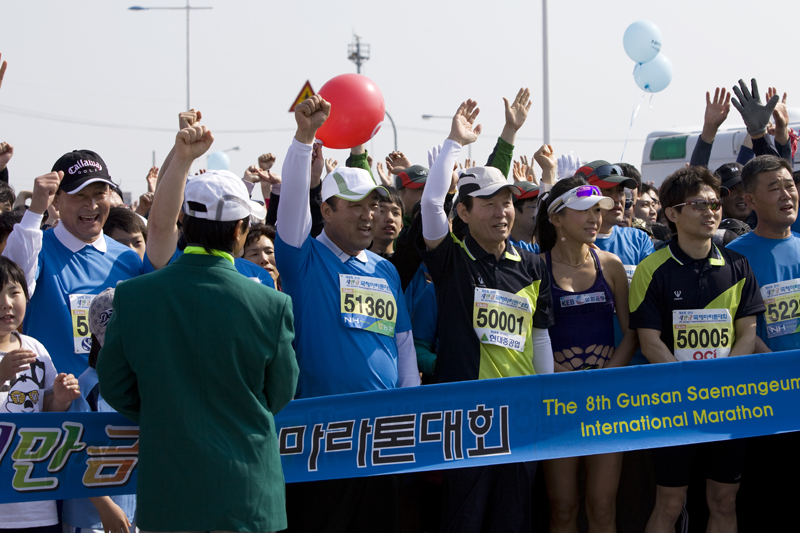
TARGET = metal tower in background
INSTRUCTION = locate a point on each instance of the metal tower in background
(357, 52)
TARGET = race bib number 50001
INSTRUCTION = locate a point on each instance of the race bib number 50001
(782, 300)
(79, 310)
(501, 318)
(368, 303)
(702, 334)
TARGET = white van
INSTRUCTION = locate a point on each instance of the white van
(667, 151)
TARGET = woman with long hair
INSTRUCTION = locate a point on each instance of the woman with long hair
(588, 287)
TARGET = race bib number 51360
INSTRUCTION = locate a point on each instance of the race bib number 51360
(367, 303)
(702, 334)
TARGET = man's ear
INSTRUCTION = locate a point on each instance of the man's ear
(671, 214)
(463, 214)
(748, 199)
(326, 211)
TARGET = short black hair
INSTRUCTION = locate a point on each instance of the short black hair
(393, 198)
(7, 221)
(10, 272)
(630, 171)
(682, 184)
(646, 188)
(126, 220)
(260, 230)
(210, 234)
(7, 193)
(759, 164)
(544, 230)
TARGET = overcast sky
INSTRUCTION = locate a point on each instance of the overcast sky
(94, 61)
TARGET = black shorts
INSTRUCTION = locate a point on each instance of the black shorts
(721, 461)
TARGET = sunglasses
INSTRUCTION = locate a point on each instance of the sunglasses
(584, 191)
(702, 205)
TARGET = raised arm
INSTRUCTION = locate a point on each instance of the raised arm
(162, 227)
(25, 241)
(716, 112)
(462, 133)
(294, 217)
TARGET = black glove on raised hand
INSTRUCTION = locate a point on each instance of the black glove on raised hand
(755, 115)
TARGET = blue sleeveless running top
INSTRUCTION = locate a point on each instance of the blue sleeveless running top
(583, 335)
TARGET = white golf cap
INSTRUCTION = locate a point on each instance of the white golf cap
(351, 184)
(484, 182)
(219, 195)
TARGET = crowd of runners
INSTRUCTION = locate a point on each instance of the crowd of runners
(199, 313)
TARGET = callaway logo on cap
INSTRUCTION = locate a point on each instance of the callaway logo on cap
(81, 168)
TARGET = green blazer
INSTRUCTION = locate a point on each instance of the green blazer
(201, 357)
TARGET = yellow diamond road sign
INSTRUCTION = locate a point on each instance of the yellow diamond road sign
(305, 93)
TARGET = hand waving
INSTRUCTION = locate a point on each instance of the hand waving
(461, 129)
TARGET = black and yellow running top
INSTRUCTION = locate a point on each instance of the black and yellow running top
(670, 280)
(487, 309)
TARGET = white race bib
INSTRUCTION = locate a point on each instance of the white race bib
(79, 311)
(783, 307)
(702, 334)
(583, 299)
(367, 303)
(501, 318)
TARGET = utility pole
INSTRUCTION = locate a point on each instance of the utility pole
(358, 53)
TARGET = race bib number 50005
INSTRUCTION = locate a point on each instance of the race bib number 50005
(783, 301)
(702, 334)
(368, 303)
(501, 318)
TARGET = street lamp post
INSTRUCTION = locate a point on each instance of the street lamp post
(428, 117)
(188, 8)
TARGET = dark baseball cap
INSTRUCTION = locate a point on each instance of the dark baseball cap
(414, 177)
(81, 168)
(730, 174)
(605, 175)
(529, 190)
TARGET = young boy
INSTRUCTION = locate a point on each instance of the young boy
(28, 384)
(126, 227)
(101, 513)
(387, 226)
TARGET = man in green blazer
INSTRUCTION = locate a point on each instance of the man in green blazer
(201, 357)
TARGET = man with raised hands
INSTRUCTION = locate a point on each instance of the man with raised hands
(67, 266)
(470, 277)
(353, 328)
(165, 242)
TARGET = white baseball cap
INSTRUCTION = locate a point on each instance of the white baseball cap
(484, 182)
(351, 184)
(219, 195)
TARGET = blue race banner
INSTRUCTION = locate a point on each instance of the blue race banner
(64, 455)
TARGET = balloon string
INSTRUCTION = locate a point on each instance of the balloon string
(634, 112)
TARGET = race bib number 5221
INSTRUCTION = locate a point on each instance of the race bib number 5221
(783, 307)
(367, 303)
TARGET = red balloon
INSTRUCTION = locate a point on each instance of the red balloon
(357, 110)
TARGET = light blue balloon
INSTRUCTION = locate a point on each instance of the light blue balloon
(218, 161)
(654, 76)
(642, 41)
